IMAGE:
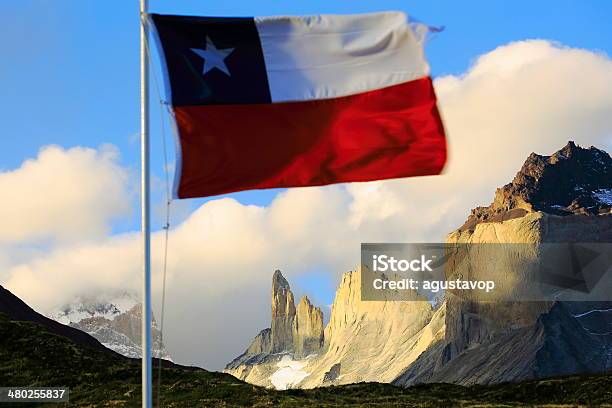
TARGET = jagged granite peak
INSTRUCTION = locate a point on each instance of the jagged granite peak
(573, 180)
(308, 330)
(363, 341)
(283, 314)
(259, 361)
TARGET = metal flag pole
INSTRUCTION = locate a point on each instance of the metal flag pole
(145, 212)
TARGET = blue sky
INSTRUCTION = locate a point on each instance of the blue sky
(70, 71)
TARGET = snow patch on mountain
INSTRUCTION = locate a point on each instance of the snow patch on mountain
(289, 373)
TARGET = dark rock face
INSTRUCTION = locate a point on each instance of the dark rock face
(564, 183)
(332, 374)
(557, 344)
(566, 336)
(573, 180)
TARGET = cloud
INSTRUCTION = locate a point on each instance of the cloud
(528, 96)
(63, 195)
(522, 97)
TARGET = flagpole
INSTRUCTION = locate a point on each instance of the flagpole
(145, 212)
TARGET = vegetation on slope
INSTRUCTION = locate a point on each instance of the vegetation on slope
(30, 355)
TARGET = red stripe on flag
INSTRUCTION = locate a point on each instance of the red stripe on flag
(382, 134)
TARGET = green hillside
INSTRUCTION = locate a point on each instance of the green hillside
(30, 355)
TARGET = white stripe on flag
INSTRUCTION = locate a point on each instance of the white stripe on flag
(327, 56)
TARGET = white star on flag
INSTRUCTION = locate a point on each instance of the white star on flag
(213, 57)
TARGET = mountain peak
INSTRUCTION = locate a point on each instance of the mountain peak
(308, 331)
(283, 314)
(563, 183)
(573, 180)
(113, 319)
(279, 281)
(569, 148)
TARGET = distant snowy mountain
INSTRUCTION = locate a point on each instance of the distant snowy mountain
(115, 321)
(83, 308)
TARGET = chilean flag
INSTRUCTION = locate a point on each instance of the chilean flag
(271, 102)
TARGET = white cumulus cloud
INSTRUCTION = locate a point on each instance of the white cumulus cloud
(63, 195)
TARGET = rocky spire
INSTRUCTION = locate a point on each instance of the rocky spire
(307, 329)
(283, 314)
